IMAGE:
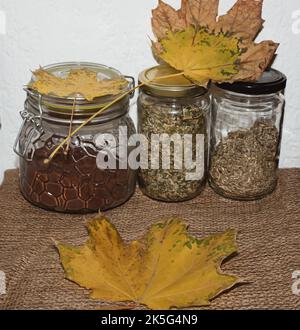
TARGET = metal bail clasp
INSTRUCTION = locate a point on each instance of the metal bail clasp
(33, 134)
(132, 85)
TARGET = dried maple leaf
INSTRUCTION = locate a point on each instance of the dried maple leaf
(243, 20)
(78, 82)
(195, 41)
(200, 13)
(167, 268)
(165, 18)
(210, 57)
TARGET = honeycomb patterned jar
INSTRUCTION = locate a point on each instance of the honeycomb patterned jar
(73, 182)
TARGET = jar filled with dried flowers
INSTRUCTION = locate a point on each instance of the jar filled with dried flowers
(173, 115)
(84, 175)
(246, 135)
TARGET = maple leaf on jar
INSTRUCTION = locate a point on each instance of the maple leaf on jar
(79, 82)
(207, 47)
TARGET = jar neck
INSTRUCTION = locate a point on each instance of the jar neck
(246, 102)
(175, 99)
(59, 111)
(166, 94)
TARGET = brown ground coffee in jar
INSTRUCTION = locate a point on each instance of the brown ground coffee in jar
(74, 181)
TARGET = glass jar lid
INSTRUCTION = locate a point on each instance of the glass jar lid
(61, 107)
(272, 81)
(178, 86)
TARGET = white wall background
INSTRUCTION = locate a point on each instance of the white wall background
(115, 32)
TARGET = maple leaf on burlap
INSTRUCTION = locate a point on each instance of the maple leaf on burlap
(166, 268)
(195, 41)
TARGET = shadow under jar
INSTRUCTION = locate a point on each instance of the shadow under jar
(245, 136)
(77, 179)
(172, 111)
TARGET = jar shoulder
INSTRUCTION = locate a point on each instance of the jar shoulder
(222, 100)
(148, 99)
(162, 106)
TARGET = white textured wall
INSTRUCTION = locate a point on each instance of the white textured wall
(115, 32)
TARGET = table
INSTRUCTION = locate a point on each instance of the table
(269, 244)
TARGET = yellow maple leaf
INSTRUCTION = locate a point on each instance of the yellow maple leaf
(166, 268)
(208, 57)
(78, 82)
(195, 41)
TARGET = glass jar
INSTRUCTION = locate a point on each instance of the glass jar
(245, 137)
(175, 113)
(77, 180)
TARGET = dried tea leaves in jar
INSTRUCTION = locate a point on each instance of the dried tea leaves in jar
(171, 184)
(243, 165)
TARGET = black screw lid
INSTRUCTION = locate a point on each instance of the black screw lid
(272, 81)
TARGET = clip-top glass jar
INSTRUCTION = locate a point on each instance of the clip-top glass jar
(174, 112)
(73, 182)
(246, 135)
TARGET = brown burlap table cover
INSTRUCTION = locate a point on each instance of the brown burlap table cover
(269, 245)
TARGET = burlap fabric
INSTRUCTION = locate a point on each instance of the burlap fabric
(269, 245)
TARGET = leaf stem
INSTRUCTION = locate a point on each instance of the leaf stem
(71, 126)
(96, 114)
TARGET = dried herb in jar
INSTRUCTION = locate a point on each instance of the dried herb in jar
(243, 166)
(171, 185)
